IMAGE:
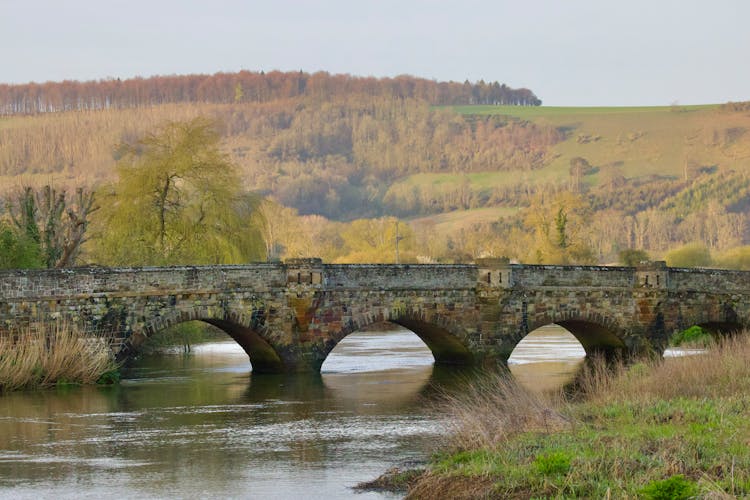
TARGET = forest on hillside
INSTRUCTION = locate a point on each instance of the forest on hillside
(336, 158)
(346, 173)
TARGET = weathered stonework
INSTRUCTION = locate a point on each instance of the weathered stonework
(289, 316)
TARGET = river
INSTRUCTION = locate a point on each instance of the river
(202, 425)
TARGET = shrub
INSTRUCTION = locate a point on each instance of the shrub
(632, 257)
(555, 463)
(673, 488)
(690, 255)
(695, 335)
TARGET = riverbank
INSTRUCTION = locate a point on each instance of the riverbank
(55, 354)
(677, 428)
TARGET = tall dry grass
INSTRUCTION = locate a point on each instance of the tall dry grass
(722, 371)
(634, 424)
(55, 353)
(489, 411)
(494, 408)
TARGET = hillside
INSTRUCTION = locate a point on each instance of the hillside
(622, 145)
(535, 183)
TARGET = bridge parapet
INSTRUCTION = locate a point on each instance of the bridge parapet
(304, 272)
(96, 281)
(494, 273)
(540, 276)
(399, 276)
(709, 280)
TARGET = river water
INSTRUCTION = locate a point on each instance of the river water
(202, 425)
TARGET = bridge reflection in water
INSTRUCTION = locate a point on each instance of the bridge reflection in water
(546, 359)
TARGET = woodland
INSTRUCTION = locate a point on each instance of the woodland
(254, 166)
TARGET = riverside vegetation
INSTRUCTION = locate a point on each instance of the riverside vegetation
(54, 355)
(675, 428)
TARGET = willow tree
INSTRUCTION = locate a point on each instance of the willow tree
(178, 200)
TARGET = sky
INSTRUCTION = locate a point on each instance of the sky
(569, 52)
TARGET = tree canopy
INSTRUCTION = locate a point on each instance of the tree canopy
(178, 200)
(18, 251)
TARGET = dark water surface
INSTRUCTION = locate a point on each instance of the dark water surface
(202, 426)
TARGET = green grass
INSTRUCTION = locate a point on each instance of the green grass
(528, 112)
(449, 222)
(672, 429)
(638, 141)
(621, 449)
(485, 181)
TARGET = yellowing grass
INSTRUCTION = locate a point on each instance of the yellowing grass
(495, 408)
(55, 354)
(723, 371)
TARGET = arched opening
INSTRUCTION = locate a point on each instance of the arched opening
(381, 364)
(720, 328)
(547, 358)
(697, 338)
(445, 347)
(595, 338)
(262, 356)
(378, 347)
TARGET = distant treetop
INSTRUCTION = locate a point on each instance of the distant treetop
(245, 86)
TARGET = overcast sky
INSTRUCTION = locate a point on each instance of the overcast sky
(569, 52)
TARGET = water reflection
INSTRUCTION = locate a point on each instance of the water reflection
(367, 370)
(546, 359)
(204, 426)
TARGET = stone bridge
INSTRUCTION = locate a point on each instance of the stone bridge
(289, 316)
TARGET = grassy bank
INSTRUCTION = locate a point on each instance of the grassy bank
(660, 429)
(57, 354)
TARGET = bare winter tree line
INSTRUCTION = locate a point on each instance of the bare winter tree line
(245, 86)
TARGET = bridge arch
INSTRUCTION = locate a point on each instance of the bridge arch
(597, 334)
(446, 340)
(246, 331)
(718, 321)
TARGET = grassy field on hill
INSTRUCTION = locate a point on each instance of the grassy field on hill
(636, 141)
(453, 221)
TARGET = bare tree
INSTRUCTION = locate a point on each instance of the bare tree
(53, 222)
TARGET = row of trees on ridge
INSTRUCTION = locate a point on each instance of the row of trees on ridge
(246, 86)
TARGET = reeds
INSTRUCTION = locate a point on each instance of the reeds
(494, 408)
(722, 371)
(56, 353)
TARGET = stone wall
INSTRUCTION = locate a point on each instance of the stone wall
(85, 281)
(709, 280)
(572, 276)
(390, 277)
(288, 316)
